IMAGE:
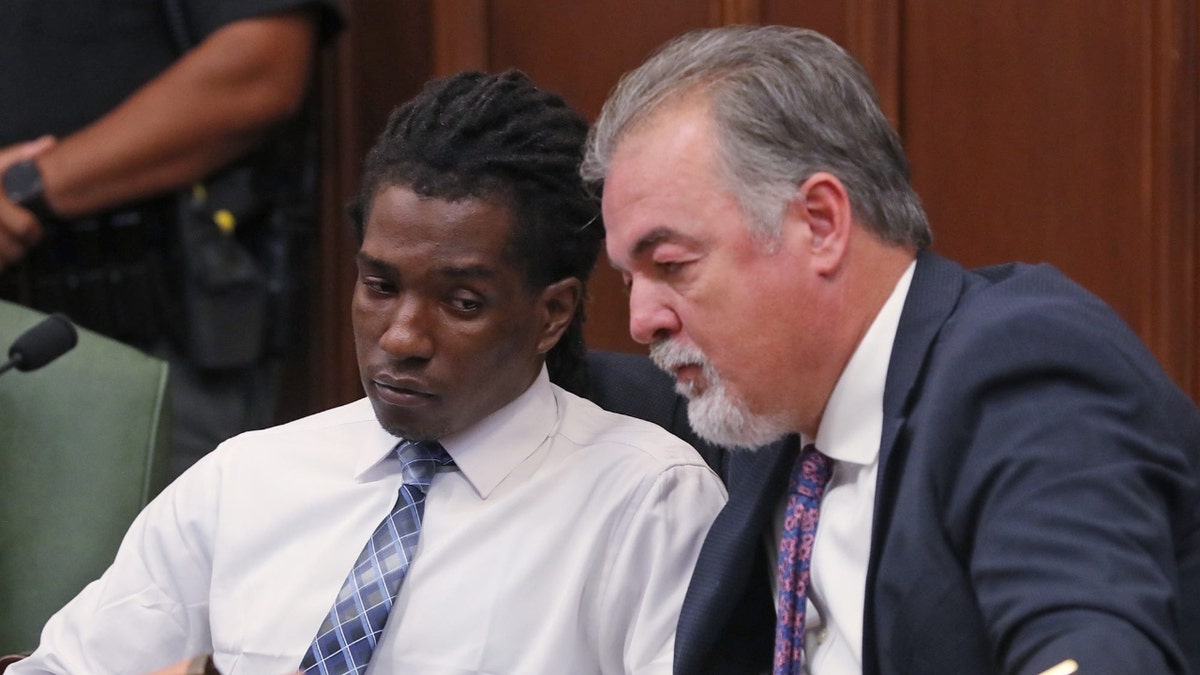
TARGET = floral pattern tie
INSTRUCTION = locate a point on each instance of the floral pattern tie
(810, 474)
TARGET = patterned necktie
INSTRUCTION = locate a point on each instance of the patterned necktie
(348, 636)
(809, 476)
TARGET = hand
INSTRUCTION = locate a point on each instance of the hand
(197, 665)
(185, 667)
(19, 229)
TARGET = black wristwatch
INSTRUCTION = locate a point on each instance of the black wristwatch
(23, 186)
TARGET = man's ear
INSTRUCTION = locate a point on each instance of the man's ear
(822, 208)
(559, 301)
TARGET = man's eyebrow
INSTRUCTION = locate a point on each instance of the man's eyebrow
(468, 271)
(369, 260)
(648, 241)
(453, 271)
(659, 235)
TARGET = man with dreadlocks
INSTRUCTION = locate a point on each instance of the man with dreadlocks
(468, 515)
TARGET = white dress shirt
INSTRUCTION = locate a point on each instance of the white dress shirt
(562, 542)
(849, 434)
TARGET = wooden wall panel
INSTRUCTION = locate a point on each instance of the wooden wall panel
(580, 49)
(460, 36)
(1174, 110)
(1051, 132)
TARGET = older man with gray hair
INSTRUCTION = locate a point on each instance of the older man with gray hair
(1004, 478)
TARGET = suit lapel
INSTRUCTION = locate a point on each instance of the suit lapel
(756, 480)
(936, 287)
(723, 571)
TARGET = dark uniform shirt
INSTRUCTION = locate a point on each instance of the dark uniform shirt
(65, 63)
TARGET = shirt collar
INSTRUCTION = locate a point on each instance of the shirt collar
(853, 420)
(488, 451)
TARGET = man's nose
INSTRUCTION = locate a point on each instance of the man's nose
(409, 332)
(651, 318)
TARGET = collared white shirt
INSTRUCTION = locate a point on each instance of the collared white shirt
(849, 434)
(562, 542)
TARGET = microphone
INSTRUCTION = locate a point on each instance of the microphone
(47, 340)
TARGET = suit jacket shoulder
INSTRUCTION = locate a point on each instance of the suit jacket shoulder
(1038, 484)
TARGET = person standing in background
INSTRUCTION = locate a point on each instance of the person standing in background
(109, 110)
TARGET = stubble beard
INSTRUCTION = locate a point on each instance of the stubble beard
(715, 414)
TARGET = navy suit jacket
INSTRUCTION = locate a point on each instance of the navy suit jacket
(1037, 497)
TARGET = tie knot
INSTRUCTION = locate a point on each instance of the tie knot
(811, 472)
(419, 460)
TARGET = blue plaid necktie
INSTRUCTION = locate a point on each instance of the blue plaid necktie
(348, 636)
(810, 474)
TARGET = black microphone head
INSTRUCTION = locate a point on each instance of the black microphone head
(51, 338)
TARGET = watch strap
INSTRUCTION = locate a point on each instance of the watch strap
(22, 184)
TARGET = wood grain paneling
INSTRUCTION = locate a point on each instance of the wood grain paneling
(729, 12)
(1051, 132)
(1173, 195)
(579, 49)
(460, 36)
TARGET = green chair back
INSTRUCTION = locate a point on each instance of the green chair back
(83, 447)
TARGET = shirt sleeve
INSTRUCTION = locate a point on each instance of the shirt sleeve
(652, 566)
(206, 16)
(150, 607)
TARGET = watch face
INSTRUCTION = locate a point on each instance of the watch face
(23, 182)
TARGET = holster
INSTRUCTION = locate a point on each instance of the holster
(216, 268)
(223, 288)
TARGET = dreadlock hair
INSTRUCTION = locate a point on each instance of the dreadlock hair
(498, 137)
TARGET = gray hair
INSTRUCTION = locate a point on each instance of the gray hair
(787, 103)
